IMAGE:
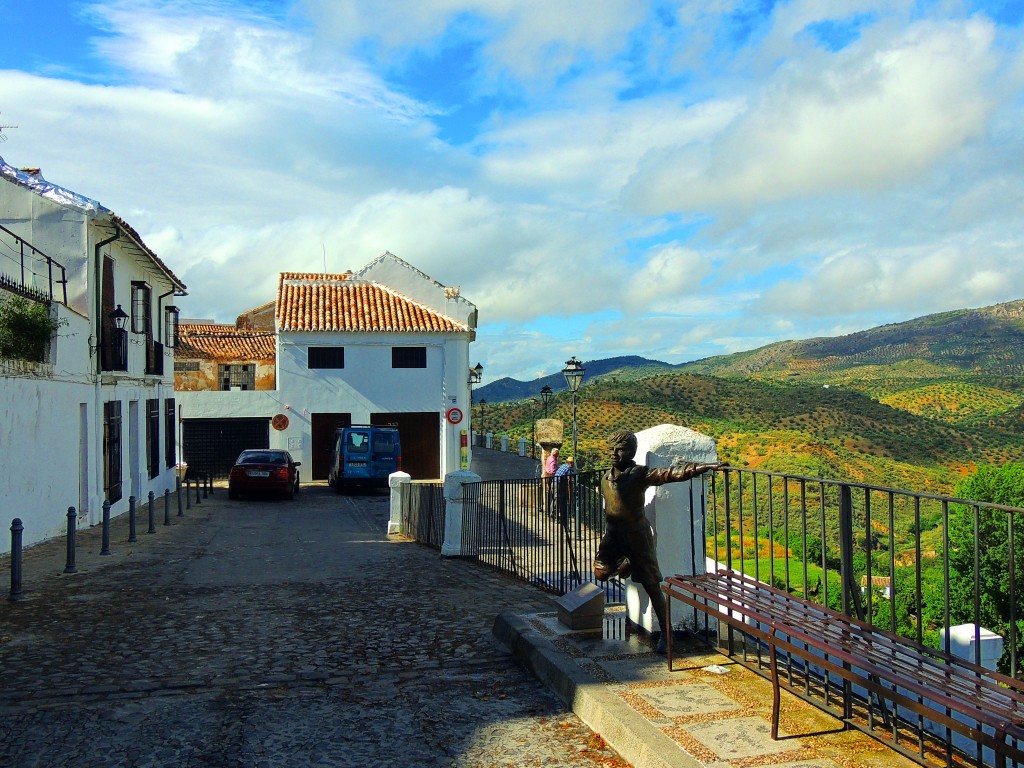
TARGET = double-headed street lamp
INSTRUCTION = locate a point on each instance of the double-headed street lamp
(573, 373)
(545, 395)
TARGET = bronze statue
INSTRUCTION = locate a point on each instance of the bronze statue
(627, 547)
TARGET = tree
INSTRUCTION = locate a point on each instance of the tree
(979, 551)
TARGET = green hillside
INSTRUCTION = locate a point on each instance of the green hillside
(915, 405)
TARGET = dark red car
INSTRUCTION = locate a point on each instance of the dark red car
(265, 470)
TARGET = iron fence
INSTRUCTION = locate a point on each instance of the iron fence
(29, 272)
(423, 512)
(911, 563)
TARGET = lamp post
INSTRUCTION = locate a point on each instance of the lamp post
(475, 375)
(545, 395)
(533, 427)
(573, 373)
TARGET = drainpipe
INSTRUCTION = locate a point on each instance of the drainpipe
(97, 420)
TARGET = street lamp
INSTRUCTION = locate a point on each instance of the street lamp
(573, 373)
(545, 395)
(475, 376)
(533, 428)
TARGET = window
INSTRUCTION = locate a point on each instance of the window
(169, 452)
(408, 357)
(240, 375)
(171, 327)
(186, 366)
(141, 309)
(112, 451)
(326, 357)
(153, 437)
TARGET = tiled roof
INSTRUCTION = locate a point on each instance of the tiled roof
(324, 302)
(223, 342)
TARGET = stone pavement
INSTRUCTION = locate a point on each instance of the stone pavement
(271, 633)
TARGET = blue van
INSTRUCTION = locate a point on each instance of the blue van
(363, 456)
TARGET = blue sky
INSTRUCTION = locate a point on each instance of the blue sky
(667, 179)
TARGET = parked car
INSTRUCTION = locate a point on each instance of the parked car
(264, 470)
(363, 456)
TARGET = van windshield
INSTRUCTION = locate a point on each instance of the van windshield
(358, 442)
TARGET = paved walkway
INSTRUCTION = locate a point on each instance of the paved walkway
(273, 634)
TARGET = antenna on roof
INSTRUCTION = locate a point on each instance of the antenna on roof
(2, 137)
(324, 245)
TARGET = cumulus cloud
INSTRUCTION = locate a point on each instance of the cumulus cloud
(874, 115)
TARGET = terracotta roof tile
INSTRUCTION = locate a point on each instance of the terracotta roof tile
(325, 302)
(223, 342)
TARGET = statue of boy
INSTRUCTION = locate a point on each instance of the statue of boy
(627, 547)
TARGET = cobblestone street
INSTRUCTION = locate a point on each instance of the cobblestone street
(272, 633)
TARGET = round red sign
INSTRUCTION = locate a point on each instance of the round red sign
(279, 422)
(454, 415)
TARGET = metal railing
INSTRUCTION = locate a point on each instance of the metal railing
(541, 531)
(423, 512)
(29, 272)
(911, 563)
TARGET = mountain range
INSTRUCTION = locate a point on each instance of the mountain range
(914, 405)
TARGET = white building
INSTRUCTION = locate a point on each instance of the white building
(94, 421)
(384, 345)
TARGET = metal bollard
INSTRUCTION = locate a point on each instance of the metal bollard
(210, 477)
(152, 527)
(167, 506)
(206, 482)
(105, 550)
(177, 488)
(16, 591)
(69, 567)
(188, 494)
(131, 519)
(198, 483)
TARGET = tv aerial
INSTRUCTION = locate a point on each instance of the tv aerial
(3, 138)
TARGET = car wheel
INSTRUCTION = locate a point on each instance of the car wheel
(232, 493)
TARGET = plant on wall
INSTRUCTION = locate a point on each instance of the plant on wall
(26, 328)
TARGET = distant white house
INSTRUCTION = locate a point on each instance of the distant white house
(94, 422)
(384, 345)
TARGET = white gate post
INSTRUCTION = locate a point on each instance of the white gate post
(457, 508)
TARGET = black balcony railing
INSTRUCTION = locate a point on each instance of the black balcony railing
(114, 350)
(29, 272)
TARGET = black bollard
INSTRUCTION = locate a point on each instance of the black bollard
(206, 483)
(177, 488)
(131, 519)
(188, 494)
(69, 567)
(210, 479)
(167, 506)
(152, 527)
(16, 591)
(198, 483)
(105, 550)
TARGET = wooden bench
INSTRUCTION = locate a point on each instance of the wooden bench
(927, 683)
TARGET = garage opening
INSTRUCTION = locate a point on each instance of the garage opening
(421, 441)
(210, 446)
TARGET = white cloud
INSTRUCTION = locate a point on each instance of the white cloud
(877, 114)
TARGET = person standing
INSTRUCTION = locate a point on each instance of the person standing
(563, 488)
(548, 474)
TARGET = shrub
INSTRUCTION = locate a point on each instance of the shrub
(26, 328)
